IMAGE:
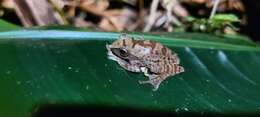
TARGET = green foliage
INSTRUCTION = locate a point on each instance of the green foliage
(71, 67)
(216, 25)
(225, 18)
(59, 27)
(5, 26)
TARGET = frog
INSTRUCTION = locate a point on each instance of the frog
(153, 59)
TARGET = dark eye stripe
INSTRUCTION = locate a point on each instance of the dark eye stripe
(124, 44)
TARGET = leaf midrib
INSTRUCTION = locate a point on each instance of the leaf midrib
(78, 35)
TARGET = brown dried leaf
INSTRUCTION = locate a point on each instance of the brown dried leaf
(176, 7)
(94, 6)
(106, 25)
(9, 4)
(61, 3)
(80, 22)
(223, 5)
(236, 4)
(227, 5)
(1, 12)
(33, 12)
(118, 19)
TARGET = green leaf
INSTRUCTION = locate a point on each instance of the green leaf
(59, 27)
(70, 67)
(191, 18)
(232, 39)
(226, 17)
(5, 26)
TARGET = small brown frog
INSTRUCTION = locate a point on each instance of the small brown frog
(152, 58)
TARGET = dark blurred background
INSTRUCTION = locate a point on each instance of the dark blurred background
(134, 15)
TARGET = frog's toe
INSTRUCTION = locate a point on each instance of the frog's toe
(155, 82)
(156, 88)
(144, 82)
(144, 70)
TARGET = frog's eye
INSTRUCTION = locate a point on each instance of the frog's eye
(120, 52)
(123, 52)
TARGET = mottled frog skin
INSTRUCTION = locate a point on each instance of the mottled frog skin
(152, 58)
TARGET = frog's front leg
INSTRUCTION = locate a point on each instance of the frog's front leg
(155, 80)
(145, 71)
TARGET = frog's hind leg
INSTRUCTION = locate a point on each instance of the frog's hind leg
(155, 80)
